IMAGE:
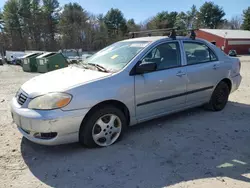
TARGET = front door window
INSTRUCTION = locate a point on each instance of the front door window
(165, 55)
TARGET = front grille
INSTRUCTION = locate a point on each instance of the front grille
(21, 98)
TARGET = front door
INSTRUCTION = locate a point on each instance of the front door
(163, 90)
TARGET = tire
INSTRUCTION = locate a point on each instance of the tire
(219, 97)
(90, 130)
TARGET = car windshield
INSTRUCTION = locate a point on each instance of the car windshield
(114, 57)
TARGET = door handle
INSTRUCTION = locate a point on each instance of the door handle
(180, 73)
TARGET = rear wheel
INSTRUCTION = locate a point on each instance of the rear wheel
(219, 97)
(103, 127)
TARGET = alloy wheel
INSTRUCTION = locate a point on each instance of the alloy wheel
(106, 130)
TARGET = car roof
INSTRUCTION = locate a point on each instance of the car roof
(159, 38)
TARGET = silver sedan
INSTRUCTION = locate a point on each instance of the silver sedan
(128, 82)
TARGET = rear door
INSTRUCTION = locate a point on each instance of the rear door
(163, 90)
(203, 71)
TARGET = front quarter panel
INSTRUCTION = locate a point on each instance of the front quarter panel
(118, 87)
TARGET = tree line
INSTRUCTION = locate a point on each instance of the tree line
(44, 25)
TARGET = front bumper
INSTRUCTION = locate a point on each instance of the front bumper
(31, 123)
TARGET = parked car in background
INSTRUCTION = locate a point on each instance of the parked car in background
(73, 59)
(1, 60)
(129, 82)
(86, 56)
(232, 53)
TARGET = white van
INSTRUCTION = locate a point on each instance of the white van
(11, 55)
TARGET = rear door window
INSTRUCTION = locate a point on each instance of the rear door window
(198, 53)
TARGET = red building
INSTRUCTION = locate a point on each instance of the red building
(225, 39)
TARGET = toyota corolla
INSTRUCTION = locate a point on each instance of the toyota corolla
(128, 82)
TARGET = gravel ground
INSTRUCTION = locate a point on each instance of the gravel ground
(195, 148)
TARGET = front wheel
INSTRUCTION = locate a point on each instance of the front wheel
(219, 97)
(103, 127)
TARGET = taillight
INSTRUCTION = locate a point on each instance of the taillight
(239, 66)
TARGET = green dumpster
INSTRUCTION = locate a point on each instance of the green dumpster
(50, 61)
(29, 62)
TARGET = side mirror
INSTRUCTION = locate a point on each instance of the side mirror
(145, 67)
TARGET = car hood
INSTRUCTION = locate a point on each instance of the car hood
(60, 80)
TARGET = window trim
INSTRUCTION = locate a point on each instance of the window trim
(201, 43)
(132, 72)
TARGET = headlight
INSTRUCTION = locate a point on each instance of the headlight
(50, 101)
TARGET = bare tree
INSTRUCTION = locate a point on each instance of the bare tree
(236, 22)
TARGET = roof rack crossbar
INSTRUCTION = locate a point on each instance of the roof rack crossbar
(151, 31)
(172, 32)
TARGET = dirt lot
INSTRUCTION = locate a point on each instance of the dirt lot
(195, 148)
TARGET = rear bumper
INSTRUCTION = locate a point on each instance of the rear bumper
(236, 80)
(64, 125)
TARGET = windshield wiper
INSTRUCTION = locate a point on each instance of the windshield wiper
(99, 67)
